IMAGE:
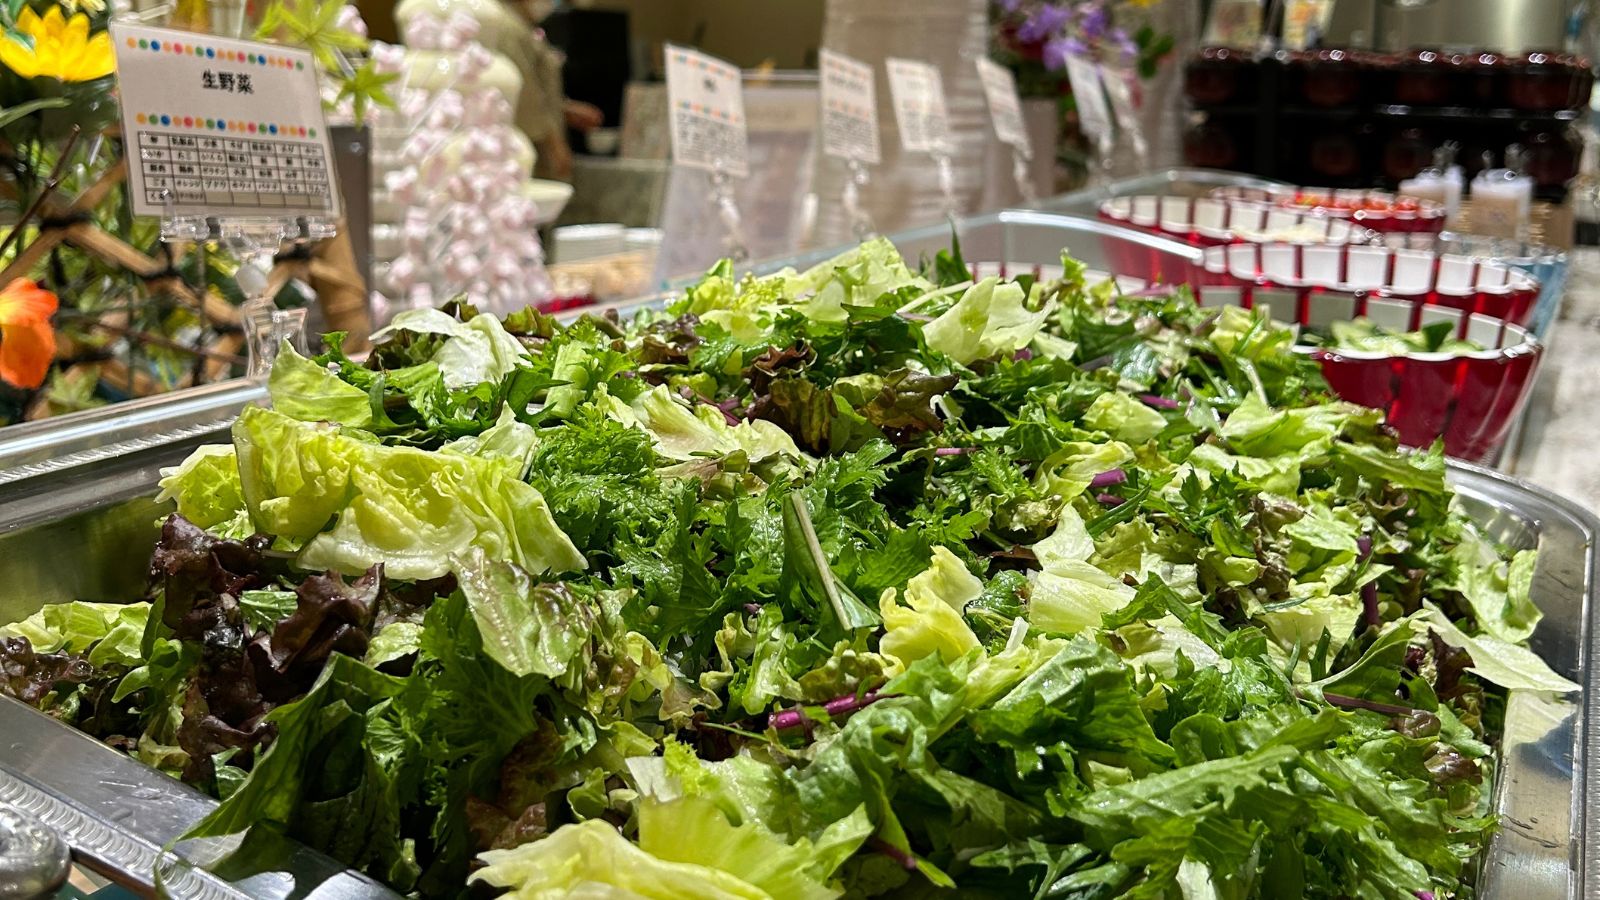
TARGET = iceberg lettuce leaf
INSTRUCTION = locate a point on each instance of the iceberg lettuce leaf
(349, 504)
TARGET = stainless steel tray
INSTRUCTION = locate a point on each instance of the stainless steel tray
(87, 534)
(1548, 794)
(79, 439)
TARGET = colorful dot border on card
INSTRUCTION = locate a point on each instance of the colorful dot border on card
(246, 57)
(237, 126)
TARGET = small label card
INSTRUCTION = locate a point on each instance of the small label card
(1093, 116)
(918, 95)
(849, 109)
(706, 98)
(216, 126)
(1000, 89)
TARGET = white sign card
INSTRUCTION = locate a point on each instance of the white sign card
(216, 126)
(917, 93)
(706, 99)
(1005, 108)
(784, 141)
(849, 108)
(1093, 116)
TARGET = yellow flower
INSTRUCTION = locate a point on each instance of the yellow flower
(62, 48)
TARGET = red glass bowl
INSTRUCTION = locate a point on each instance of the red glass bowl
(1380, 211)
(1421, 277)
(1214, 221)
(1469, 399)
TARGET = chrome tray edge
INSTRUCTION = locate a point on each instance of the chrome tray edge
(121, 817)
(1548, 792)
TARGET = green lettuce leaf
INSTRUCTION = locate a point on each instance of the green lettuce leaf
(110, 633)
(695, 831)
(683, 434)
(206, 486)
(473, 353)
(1068, 471)
(1083, 694)
(330, 717)
(1071, 596)
(991, 317)
(1259, 430)
(933, 624)
(1511, 666)
(591, 859)
(1124, 418)
(1496, 590)
(857, 277)
(306, 391)
(527, 627)
(408, 509)
(508, 438)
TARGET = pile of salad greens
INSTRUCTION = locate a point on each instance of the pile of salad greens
(859, 581)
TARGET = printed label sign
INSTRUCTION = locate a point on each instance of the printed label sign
(849, 109)
(917, 92)
(1093, 116)
(706, 98)
(1000, 89)
(216, 126)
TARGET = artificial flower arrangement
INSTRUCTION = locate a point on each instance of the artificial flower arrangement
(95, 308)
(1035, 38)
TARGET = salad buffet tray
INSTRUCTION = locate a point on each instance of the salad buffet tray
(83, 529)
(92, 540)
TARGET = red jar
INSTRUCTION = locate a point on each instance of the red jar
(1218, 75)
(1209, 145)
(1485, 77)
(1553, 156)
(1542, 82)
(1424, 78)
(1334, 156)
(1407, 152)
(1328, 78)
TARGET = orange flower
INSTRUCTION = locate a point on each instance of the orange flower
(27, 342)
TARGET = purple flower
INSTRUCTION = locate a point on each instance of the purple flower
(1056, 51)
(1009, 6)
(1047, 20)
(1124, 43)
(1093, 20)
